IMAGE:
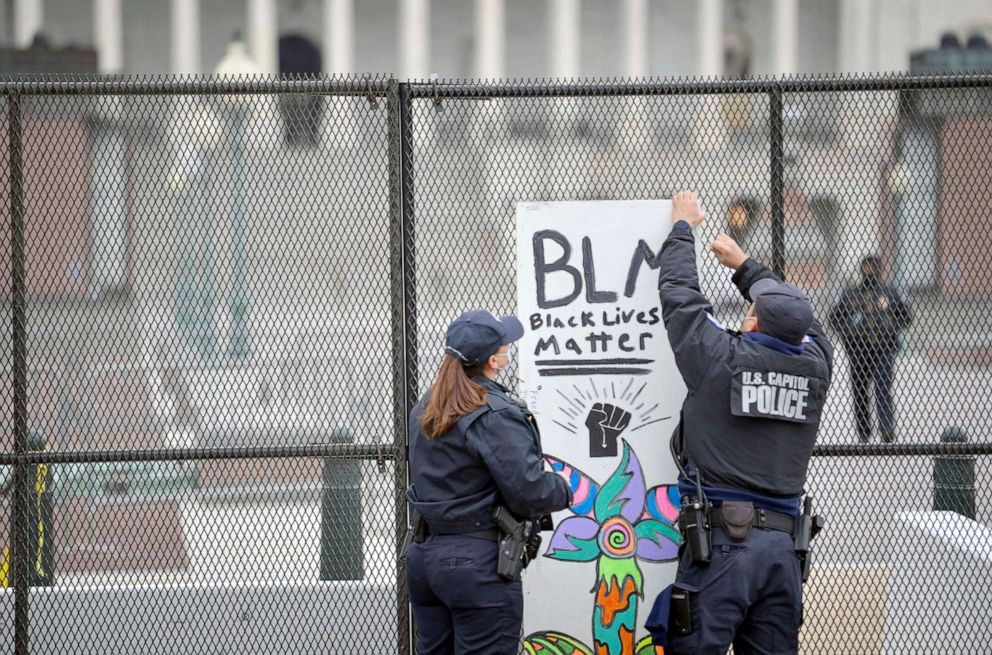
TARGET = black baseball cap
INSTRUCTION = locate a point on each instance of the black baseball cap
(784, 310)
(475, 336)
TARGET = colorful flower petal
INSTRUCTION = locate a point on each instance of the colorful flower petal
(623, 493)
(663, 503)
(584, 489)
(574, 540)
(656, 541)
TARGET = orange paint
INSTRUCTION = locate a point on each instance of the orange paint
(612, 599)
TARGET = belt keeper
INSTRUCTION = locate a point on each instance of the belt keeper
(761, 518)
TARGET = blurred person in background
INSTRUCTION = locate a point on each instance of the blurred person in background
(870, 317)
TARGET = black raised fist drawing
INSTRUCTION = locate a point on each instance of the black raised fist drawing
(605, 423)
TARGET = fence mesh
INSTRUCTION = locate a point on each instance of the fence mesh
(209, 314)
(864, 171)
(235, 291)
(6, 381)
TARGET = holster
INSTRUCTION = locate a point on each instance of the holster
(515, 535)
(807, 527)
(416, 532)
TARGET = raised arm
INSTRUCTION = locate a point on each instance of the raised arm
(696, 339)
(747, 271)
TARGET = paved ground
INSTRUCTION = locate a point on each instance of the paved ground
(929, 396)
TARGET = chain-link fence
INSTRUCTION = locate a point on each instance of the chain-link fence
(225, 297)
(811, 176)
(201, 453)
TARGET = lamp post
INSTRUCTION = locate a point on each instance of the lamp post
(190, 178)
(237, 63)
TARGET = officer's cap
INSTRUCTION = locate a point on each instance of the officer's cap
(475, 336)
(784, 310)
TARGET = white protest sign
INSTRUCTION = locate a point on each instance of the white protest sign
(597, 371)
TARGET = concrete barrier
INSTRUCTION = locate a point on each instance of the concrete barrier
(319, 617)
(844, 610)
(939, 589)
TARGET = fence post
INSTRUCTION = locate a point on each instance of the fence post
(20, 557)
(777, 139)
(410, 361)
(954, 478)
(404, 330)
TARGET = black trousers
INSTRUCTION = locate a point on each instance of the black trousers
(748, 595)
(873, 367)
(460, 605)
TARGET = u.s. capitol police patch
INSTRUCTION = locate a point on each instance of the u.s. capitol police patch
(770, 394)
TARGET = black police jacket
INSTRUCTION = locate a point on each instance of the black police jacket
(870, 316)
(752, 412)
(490, 457)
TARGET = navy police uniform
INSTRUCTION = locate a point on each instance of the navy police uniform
(491, 457)
(870, 318)
(748, 426)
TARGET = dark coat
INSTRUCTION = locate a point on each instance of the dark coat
(870, 316)
(766, 453)
(490, 457)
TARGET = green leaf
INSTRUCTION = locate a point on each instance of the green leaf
(610, 499)
(554, 643)
(645, 647)
(586, 550)
(656, 541)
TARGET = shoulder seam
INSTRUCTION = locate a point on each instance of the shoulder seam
(496, 403)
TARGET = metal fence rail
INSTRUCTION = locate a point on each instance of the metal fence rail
(224, 297)
(810, 175)
(206, 446)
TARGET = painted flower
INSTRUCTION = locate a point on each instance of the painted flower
(616, 525)
(620, 520)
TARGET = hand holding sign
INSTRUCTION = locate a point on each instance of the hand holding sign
(605, 422)
(728, 252)
(685, 207)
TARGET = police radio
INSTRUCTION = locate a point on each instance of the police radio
(694, 524)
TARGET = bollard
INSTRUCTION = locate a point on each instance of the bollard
(341, 534)
(39, 528)
(954, 478)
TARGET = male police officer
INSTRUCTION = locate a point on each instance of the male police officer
(743, 445)
(870, 318)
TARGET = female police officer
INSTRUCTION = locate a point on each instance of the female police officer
(472, 448)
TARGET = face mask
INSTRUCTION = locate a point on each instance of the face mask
(509, 360)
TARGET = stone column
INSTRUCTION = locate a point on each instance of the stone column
(185, 37)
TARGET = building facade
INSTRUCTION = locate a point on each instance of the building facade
(504, 38)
